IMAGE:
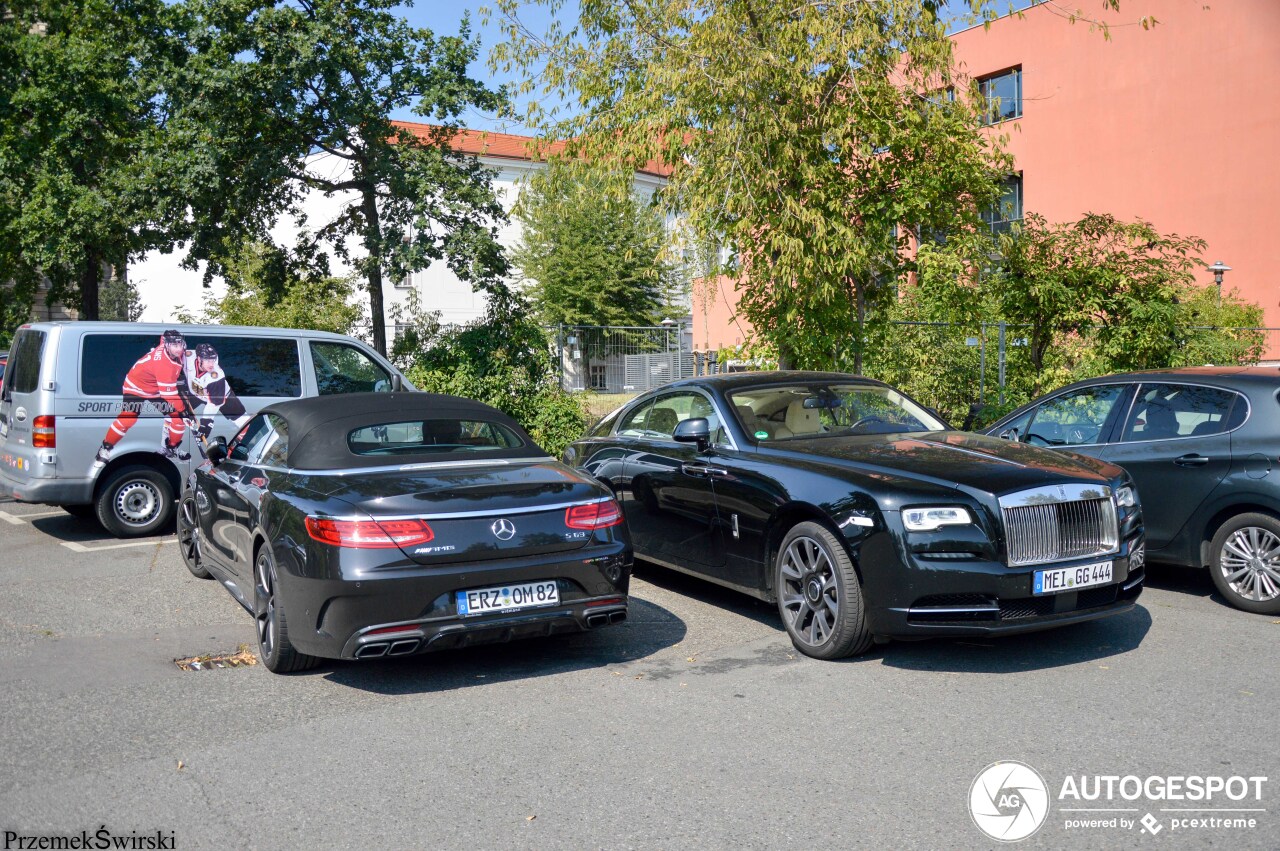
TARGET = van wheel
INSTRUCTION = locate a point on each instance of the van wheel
(134, 502)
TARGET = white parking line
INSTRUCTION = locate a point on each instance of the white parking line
(19, 519)
(81, 548)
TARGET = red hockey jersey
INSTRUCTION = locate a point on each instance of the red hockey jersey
(155, 375)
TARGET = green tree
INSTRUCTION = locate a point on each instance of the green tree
(81, 188)
(805, 135)
(121, 301)
(299, 94)
(1087, 298)
(592, 250)
(306, 300)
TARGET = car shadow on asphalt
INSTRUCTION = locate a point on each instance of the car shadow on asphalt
(648, 629)
(1013, 654)
(727, 599)
(82, 530)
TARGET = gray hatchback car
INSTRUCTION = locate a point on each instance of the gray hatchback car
(1202, 445)
(104, 418)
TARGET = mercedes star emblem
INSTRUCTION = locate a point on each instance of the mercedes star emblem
(503, 530)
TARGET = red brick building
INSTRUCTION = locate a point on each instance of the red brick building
(1178, 125)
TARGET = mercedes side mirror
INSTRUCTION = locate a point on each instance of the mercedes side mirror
(694, 430)
(216, 451)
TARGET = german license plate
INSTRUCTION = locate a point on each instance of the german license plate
(507, 598)
(1062, 579)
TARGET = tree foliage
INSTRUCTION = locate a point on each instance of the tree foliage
(299, 96)
(306, 300)
(808, 136)
(82, 185)
(592, 251)
(120, 299)
(1087, 298)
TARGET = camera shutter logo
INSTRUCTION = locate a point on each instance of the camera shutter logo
(1008, 801)
(503, 530)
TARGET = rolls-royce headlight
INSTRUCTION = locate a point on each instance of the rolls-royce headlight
(935, 517)
(1126, 497)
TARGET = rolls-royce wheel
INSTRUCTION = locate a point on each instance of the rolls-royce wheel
(1245, 563)
(819, 597)
(189, 537)
(274, 648)
(134, 502)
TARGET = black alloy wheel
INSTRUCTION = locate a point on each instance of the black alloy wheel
(819, 597)
(274, 648)
(189, 537)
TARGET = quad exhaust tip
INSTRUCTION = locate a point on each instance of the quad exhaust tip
(606, 618)
(404, 647)
(372, 651)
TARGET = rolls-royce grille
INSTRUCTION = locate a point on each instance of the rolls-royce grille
(1056, 531)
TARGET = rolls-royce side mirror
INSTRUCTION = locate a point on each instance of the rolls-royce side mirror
(216, 451)
(694, 430)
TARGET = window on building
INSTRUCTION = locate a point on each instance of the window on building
(1007, 210)
(940, 97)
(1003, 95)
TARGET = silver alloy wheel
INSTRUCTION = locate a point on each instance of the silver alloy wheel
(1250, 563)
(266, 605)
(137, 502)
(809, 598)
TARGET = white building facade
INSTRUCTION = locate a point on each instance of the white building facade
(166, 288)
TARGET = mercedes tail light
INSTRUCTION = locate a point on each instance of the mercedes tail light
(594, 515)
(369, 534)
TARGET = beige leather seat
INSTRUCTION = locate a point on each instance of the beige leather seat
(802, 420)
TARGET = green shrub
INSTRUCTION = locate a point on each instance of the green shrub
(504, 360)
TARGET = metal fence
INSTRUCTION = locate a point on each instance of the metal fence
(974, 374)
(621, 359)
(971, 373)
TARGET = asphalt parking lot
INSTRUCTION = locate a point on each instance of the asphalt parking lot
(693, 724)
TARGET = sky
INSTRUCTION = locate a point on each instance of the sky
(443, 17)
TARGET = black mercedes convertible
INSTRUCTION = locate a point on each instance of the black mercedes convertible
(388, 524)
(861, 514)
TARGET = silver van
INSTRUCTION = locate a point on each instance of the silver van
(107, 418)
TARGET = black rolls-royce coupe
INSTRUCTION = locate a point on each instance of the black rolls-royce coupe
(387, 524)
(861, 514)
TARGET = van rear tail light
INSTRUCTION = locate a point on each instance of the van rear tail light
(595, 515)
(44, 433)
(369, 534)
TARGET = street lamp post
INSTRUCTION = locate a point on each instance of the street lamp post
(1218, 268)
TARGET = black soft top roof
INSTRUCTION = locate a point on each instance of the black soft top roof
(318, 427)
